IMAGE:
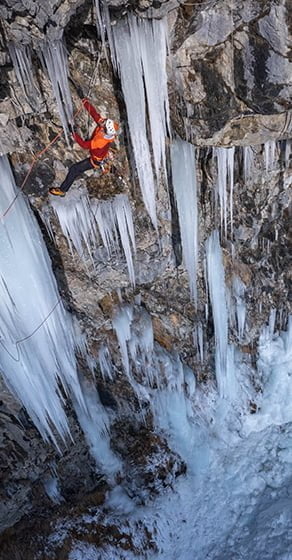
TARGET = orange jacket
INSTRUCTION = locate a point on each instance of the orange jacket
(99, 144)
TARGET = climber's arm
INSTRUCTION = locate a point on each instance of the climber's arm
(92, 111)
(83, 143)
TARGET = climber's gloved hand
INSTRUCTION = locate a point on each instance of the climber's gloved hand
(71, 128)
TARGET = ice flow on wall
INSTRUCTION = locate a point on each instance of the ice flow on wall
(140, 55)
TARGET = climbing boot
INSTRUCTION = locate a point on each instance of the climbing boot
(57, 192)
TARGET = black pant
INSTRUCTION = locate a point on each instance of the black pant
(75, 170)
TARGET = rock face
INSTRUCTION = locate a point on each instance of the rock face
(229, 72)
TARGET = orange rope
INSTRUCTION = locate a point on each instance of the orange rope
(34, 161)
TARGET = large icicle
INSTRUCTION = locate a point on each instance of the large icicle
(122, 325)
(22, 63)
(248, 163)
(185, 189)
(230, 174)
(225, 180)
(270, 153)
(216, 282)
(139, 51)
(37, 337)
(54, 55)
(81, 218)
(239, 292)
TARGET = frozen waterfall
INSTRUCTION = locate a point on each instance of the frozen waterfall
(140, 48)
(185, 190)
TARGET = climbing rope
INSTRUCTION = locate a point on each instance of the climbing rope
(29, 335)
(35, 159)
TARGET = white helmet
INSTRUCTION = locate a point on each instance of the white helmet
(110, 127)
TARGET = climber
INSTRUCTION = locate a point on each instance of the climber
(103, 135)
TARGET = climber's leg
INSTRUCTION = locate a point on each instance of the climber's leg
(74, 172)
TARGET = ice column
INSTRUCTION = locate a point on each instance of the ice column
(37, 336)
(22, 63)
(140, 55)
(216, 283)
(185, 190)
(54, 56)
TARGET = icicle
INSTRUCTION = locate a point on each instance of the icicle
(51, 486)
(185, 190)
(225, 179)
(100, 26)
(153, 54)
(82, 218)
(216, 281)
(248, 163)
(288, 151)
(270, 151)
(123, 215)
(272, 321)
(239, 291)
(105, 363)
(122, 325)
(22, 63)
(135, 335)
(230, 173)
(32, 314)
(222, 185)
(201, 342)
(140, 53)
(54, 56)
